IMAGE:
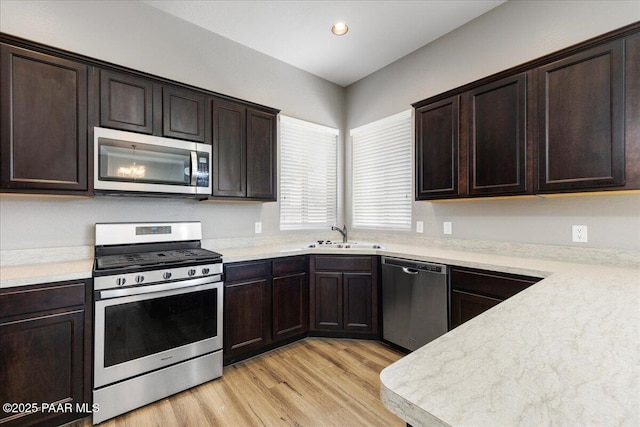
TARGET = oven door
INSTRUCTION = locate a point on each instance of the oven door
(141, 332)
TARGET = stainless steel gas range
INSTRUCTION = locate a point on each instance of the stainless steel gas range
(158, 314)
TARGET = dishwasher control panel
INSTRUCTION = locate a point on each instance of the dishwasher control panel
(415, 265)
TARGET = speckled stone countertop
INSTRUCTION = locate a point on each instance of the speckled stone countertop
(35, 266)
(565, 351)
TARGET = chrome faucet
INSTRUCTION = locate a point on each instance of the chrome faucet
(342, 231)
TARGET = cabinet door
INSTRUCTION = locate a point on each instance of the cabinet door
(358, 301)
(437, 148)
(229, 149)
(290, 306)
(126, 102)
(632, 111)
(497, 146)
(246, 316)
(328, 301)
(466, 306)
(183, 114)
(43, 104)
(261, 155)
(41, 361)
(475, 291)
(581, 120)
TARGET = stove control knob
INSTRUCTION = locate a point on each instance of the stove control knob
(139, 279)
(192, 272)
(120, 281)
(166, 275)
(205, 270)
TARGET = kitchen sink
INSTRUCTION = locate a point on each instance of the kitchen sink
(326, 244)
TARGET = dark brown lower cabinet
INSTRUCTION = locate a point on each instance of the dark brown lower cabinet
(45, 353)
(475, 291)
(265, 304)
(247, 307)
(344, 295)
(290, 298)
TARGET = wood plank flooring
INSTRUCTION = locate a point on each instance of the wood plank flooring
(313, 382)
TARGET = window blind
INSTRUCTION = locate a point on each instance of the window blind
(382, 173)
(308, 175)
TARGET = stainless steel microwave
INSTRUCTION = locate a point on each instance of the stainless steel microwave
(127, 162)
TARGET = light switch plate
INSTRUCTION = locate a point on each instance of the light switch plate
(447, 228)
(419, 227)
(579, 233)
(258, 227)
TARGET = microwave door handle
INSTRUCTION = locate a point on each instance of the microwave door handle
(194, 168)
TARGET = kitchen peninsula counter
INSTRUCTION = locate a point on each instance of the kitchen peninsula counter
(565, 351)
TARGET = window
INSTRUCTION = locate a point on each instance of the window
(308, 175)
(382, 173)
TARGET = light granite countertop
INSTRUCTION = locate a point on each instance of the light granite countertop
(565, 351)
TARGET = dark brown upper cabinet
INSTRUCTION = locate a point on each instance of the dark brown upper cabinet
(126, 102)
(632, 111)
(183, 114)
(261, 155)
(497, 145)
(567, 122)
(229, 149)
(581, 120)
(43, 111)
(244, 151)
(437, 148)
(138, 104)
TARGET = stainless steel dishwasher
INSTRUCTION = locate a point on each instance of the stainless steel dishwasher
(414, 302)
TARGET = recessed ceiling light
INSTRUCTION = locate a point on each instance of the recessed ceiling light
(339, 29)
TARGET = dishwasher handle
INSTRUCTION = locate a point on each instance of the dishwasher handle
(410, 271)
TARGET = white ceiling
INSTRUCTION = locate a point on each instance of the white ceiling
(298, 32)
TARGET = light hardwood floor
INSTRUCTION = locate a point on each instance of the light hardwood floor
(313, 382)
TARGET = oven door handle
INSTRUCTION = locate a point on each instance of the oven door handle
(148, 289)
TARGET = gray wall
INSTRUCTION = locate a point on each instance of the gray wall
(138, 36)
(513, 33)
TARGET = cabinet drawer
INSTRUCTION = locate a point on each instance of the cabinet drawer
(289, 265)
(26, 301)
(343, 263)
(246, 270)
(489, 283)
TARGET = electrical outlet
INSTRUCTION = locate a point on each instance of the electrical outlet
(419, 227)
(258, 227)
(579, 233)
(447, 228)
